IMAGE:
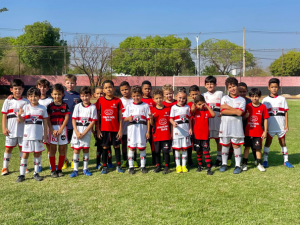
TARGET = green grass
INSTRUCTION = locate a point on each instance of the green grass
(193, 198)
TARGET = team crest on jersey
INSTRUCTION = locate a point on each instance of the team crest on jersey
(76, 100)
(108, 112)
(253, 119)
(84, 121)
(137, 118)
(163, 121)
(183, 118)
(63, 137)
(275, 111)
(34, 118)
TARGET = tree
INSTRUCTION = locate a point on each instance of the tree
(290, 65)
(92, 57)
(3, 10)
(167, 56)
(210, 70)
(224, 55)
(50, 54)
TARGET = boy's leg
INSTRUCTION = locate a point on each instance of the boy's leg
(109, 156)
(76, 159)
(245, 158)
(61, 159)
(36, 162)
(131, 153)
(105, 156)
(118, 155)
(143, 158)
(52, 156)
(230, 153)
(285, 152)
(219, 151)
(98, 154)
(86, 156)
(6, 160)
(124, 148)
(267, 150)
(177, 157)
(238, 155)
(199, 157)
(23, 164)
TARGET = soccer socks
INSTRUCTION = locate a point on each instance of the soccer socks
(219, 155)
(238, 156)
(118, 156)
(167, 159)
(225, 150)
(124, 155)
(254, 154)
(157, 158)
(23, 166)
(177, 158)
(184, 157)
(109, 155)
(190, 154)
(85, 160)
(36, 164)
(6, 160)
(207, 159)
(21, 154)
(199, 158)
(61, 160)
(143, 158)
(266, 153)
(76, 161)
(40, 160)
(52, 163)
(104, 157)
(245, 161)
(131, 158)
(98, 155)
(285, 154)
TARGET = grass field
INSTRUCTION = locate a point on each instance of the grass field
(193, 198)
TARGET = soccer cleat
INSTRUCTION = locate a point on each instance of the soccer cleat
(65, 166)
(255, 162)
(178, 169)
(199, 169)
(124, 164)
(110, 166)
(131, 171)
(185, 169)
(21, 178)
(37, 177)
(40, 169)
(4, 172)
(135, 164)
(244, 167)
(223, 168)
(157, 169)
(266, 164)
(87, 172)
(119, 170)
(288, 165)
(74, 174)
(261, 168)
(237, 170)
(144, 170)
(209, 172)
(54, 174)
(229, 162)
(104, 170)
(218, 163)
(98, 166)
(166, 170)
(72, 165)
(27, 171)
(59, 173)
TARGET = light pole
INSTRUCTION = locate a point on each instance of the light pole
(197, 39)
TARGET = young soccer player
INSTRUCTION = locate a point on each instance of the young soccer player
(11, 127)
(72, 98)
(34, 116)
(59, 113)
(168, 95)
(182, 130)
(231, 128)
(201, 115)
(83, 120)
(110, 128)
(213, 100)
(256, 128)
(138, 129)
(159, 119)
(277, 122)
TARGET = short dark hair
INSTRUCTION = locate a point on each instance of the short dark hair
(124, 83)
(210, 79)
(274, 81)
(243, 84)
(136, 89)
(254, 91)
(71, 77)
(146, 82)
(157, 92)
(58, 87)
(108, 82)
(85, 90)
(199, 98)
(194, 88)
(34, 91)
(43, 82)
(231, 80)
(16, 83)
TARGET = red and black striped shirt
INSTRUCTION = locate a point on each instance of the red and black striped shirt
(57, 113)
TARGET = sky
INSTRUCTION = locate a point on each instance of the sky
(131, 18)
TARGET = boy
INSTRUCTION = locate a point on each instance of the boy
(83, 120)
(213, 100)
(168, 95)
(58, 113)
(182, 129)
(256, 128)
(11, 127)
(201, 116)
(34, 116)
(159, 119)
(231, 128)
(138, 129)
(277, 122)
(72, 98)
(110, 124)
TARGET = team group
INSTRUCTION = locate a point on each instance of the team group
(140, 115)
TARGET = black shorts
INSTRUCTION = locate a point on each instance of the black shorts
(201, 145)
(110, 138)
(253, 142)
(98, 142)
(165, 146)
(69, 133)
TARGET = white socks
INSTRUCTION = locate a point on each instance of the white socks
(21, 155)
(85, 160)
(143, 158)
(36, 164)
(130, 158)
(225, 151)
(285, 154)
(266, 153)
(23, 166)
(238, 156)
(76, 161)
(40, 160)
(184, 158)
(177, 158)
(6, 160)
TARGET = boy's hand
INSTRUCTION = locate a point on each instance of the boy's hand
(190, 132)
(130, 118)
(99, 135)
(148, 135)
(225, 106)
(175, 124)
(21, 111)
(286, 128)
(45, 138)
(10, 97)
(151, 115)
(264, 135)
(18, 121)
(55, 133)
(78, 135)
(59, 132)
(193, 107)
(119, 135)
(6, 132)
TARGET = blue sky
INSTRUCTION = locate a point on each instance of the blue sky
(133, 17)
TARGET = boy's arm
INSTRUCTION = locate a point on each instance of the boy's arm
(232, 111)
(264, 135)
(174, 124)
(286, 127)
(190, 130)
(148, 130)
(66, 120)
(21, 119)
(5, 131)
(45, 123)
(119, 135)
(50, 125)
(78, 135)
(88, 128)
(212, 113)
(99, 134)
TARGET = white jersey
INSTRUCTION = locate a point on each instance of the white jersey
(213, 100)
(11, 109)
(33, 116)
(125, 103)
(232, 125)
(181, 115)
(45, 101)
(277, 107)
(83, 115)
(137, 129)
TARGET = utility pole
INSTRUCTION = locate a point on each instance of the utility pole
(198, 67)
(244, 54)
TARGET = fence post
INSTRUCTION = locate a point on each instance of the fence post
(111, 63)
(19, 61)
(281, 71)
(155, 68)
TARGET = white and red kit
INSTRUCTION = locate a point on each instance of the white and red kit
(125, 103)
(161, 127)
(255, 121)
(137, 129)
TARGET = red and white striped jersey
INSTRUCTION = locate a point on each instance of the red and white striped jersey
(125, 103)
(181, 115)
(213, 100)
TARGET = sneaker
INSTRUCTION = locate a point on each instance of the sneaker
(21, 178)
(110, 166)
(166, 170)
(65, 166)
(135, 164)
(131, 171)
(104, 170)
(244, 167)
(4, 172)
(37, 177)
(72, 165)
(98, 166)
(237, 170)
(191, 164)
(223, 168)
(261, 168)
(74, 174)
(53, 174)
(124, 164)
(87, 172)
(59, 173)
(288, 165)
(40, 169)
(266, 164)
(178, 169)
(27, 171)
(229, 162)
(209, 172)
(119, 169)
(255, 162)
(218, 163)
(199, 169)
(157, 169)
(184, 169)
(144, 170)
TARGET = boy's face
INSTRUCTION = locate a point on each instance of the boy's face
(98, 93)
(243, 91)
(158, 99)
(273, 88)
(34, 99)
(168, 95)
(17, 91)
(125, 91)
(70, 85)
(146, 89)
(200, 105)
(43, 89)
(181, 98)
(136, 97)
(193, 94)
(232, 89)
(210, 87)
(86, 98)
(254, 99)
(56, 95)
(108, 89)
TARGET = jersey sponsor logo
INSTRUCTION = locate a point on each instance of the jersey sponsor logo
(253, 119)
(163, 121)
(108, 112)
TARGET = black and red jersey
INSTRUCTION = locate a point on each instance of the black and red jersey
(149, 101)
(169, 104)
(57, 113)
(201, 127)
(255, 121)
(161, 127)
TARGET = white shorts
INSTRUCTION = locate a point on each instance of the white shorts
(58, 140)
(32, 146)
(280, 134)
(12, 142)
(139, 146)
(231, 140)
(214, 134)
(182, 143)
(83, 143)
